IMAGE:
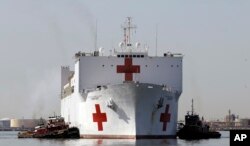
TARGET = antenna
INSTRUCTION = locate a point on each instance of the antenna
(129, 27)
(192, 106)
(95, 35)
(156, 41)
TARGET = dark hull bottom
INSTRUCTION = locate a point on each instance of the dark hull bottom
(198, 135)
(70, 133)
(128, 136)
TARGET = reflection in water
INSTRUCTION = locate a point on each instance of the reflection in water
(156, 142)
(10, 139)
(99, 142)
(123, 142)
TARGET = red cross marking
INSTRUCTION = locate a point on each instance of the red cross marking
(165, 117)
(128, 68)
(99, 117)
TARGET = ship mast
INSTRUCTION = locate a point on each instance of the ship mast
(127, 27)
(192, 107)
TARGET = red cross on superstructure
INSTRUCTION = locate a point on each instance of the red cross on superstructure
(128, 68)
(99, 117)
(165, 117)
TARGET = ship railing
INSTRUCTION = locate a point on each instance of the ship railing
(170, 89)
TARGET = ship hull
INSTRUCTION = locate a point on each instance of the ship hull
(129, 110)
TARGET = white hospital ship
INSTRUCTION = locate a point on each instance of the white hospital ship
(125, 95)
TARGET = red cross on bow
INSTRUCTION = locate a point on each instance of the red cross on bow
(128, 68)
(99, 117)
(165, 117)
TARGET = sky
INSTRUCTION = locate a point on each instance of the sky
(38, 37)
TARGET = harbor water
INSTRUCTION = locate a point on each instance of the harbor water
(9, 138)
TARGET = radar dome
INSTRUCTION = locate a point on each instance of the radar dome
(101, 49)
(121, 44)
(137, 45)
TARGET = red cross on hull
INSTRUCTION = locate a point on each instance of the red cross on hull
(165, 118)
(128, 68)
(99, 117)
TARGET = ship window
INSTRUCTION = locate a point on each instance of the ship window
(146, 65)
(177, 65)
(122, 56)
(112, 65)
(138, 56)
(126, 55)
(172, 66)
(103, 65)
(118, 55)
(150, 87)
(157, 65)
(130, 55)
(142, 56)
(134, 56)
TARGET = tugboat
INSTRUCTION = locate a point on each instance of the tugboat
(55, 128)
(194, 128)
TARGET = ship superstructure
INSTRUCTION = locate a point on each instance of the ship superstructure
(125, 95)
